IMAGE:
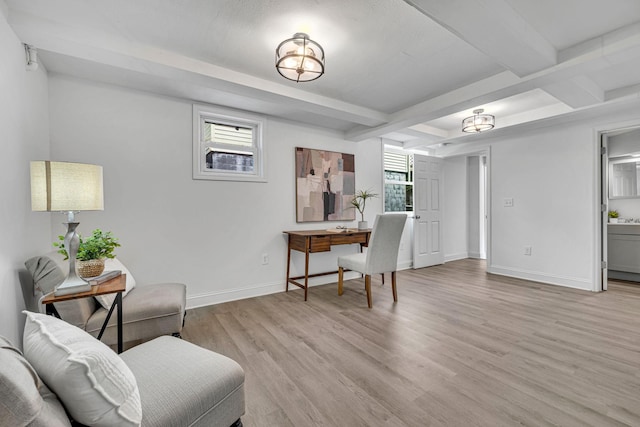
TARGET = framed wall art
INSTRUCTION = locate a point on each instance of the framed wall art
(325, 185)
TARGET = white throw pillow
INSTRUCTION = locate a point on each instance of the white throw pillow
(95, 385)
(114, 264)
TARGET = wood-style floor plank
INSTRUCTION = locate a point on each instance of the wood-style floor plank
(460, 348)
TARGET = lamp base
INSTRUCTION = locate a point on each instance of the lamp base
(72, 285)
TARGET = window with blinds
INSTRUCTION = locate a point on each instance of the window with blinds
(228, 148)
(398, 182)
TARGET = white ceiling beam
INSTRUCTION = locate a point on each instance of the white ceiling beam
(494, 28)
(577, 92)
(423, 143)
(120, 53)
(430, 130)
(594, 55)
(624, 92)
(484, 91)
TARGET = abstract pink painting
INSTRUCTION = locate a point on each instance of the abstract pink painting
(325, 185)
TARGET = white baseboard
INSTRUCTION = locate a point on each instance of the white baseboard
(569, 282)
(455, 257)
(202, 300)
(405, 265)
(624, 275)
(477, 255)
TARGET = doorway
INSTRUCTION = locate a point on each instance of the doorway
(619, 205)
(477, 193)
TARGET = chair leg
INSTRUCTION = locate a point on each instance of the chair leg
(393, 286)
(367, 286)
(340, 279)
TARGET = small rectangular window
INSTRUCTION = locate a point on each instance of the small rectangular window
(398, 182)
(227, 147)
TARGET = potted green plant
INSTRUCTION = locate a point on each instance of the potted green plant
(92, 252)
(613, 216)
(359, 202)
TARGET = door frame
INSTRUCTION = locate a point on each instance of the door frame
(486, 152)
(603, 175)
(600, 218)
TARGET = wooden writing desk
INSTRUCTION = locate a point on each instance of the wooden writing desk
(116, 285)
(310, 241)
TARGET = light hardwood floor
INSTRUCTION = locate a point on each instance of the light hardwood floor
(460, 348)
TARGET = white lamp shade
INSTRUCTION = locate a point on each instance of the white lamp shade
(64, 186)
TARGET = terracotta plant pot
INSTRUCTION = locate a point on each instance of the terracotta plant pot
(90, 268)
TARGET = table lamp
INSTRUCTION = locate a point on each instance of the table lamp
(67, 188)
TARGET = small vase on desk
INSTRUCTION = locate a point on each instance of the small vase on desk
(362, 225)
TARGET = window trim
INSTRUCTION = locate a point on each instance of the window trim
(202, 113)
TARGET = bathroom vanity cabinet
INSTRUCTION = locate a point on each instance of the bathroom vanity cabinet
(624, 251)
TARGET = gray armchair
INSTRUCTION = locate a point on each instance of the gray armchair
(147, 311)
(381, 255)
(180, 384)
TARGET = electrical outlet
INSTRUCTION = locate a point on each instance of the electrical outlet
(527, 250)
(265, 259)
(508, 202)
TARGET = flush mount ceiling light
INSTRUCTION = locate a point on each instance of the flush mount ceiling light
(478, 122)
(300, 59)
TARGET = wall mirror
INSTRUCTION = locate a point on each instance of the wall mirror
(623, 178)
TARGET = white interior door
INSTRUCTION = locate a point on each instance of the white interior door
(428, 182)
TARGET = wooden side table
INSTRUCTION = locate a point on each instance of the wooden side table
(116, 285)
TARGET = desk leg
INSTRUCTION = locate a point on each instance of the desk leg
(119, 302)
(306, 273)
(288, 262)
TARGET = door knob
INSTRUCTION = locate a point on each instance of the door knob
(417, 217)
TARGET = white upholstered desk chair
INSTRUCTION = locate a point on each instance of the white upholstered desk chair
(381, 255)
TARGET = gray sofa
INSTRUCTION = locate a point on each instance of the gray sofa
(180, 384)
(149, 311)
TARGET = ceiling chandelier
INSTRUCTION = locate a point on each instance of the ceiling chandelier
(478, 122)
(300, 59)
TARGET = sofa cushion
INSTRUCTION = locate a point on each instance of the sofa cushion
(95, 385)
(148, 312)
(183, 384)
(106, 301)
(47, 272)
(24, 399)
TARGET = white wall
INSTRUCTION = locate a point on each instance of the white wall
(208, 234)
(627, 208)
(624, 144)
(549, 174)
(24, 126)
(455, 208)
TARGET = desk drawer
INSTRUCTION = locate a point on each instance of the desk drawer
(298, 243)
(346, 239)
(320, 243)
